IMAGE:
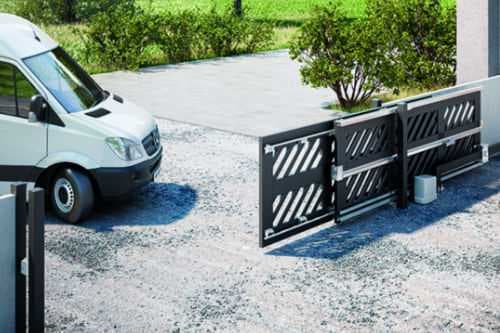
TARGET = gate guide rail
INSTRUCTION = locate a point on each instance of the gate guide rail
(337, 170)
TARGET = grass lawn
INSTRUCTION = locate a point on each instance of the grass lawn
(293, 11)
(287, 14)
(280, 10)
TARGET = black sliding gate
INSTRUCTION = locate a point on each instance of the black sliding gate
(337, 170)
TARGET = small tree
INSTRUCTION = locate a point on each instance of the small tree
(342, 54)
(421, 37)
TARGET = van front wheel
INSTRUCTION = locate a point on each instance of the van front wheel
(72, 195)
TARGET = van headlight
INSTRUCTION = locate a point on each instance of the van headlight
(125, 149)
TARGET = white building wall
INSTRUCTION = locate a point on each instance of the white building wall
(472, 40)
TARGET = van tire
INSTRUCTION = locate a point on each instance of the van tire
(72, 195)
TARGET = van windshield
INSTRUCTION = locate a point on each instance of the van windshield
(74, 89)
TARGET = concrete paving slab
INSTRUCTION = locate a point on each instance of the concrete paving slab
(254, 95)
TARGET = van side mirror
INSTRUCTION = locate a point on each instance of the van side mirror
(38, 108)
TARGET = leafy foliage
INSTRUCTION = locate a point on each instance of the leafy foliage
(421, 35)
(64, 11)
(340, 53)
(398, 44)
(118, 37)
(178, 35)
(227, 34)
(125, 35)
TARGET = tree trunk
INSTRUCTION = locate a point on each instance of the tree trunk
(238, 9)
(68, 11)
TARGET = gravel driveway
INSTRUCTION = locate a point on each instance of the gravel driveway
(182, 256)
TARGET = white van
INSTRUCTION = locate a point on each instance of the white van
(59, 130)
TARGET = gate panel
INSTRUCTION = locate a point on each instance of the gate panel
(424, 163)
(364, 159)
(295, 181)
(429, 122)
(344, 168)
(461, 113)
(423, 125)
(462, 147)
(364, 142)
(365, 186)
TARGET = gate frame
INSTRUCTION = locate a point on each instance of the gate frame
(400, 113)
(267, 149)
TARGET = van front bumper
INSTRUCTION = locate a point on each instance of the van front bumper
(118, 182)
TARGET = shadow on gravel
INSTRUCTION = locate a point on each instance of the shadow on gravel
(459, 196)
(155, 204)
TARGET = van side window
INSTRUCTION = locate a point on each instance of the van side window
(15, 92)
(24, 93)
(7, 90)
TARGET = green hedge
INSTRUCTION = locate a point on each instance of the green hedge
(64, 11)
(124, 36)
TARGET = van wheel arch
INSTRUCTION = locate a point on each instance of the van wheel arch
(45, 179)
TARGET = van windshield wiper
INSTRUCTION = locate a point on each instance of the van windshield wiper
(103, 95)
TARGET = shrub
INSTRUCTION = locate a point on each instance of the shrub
(178, 35)
(421, 35)
(342, 54)
(64, 11)
(86, 9)
(224, 34)
(38, 11)
(118, 37)
(126, 36)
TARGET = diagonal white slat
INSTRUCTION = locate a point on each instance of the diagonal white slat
(294, 205)
(310, 156)
(279, 160)
(288, 161)
(283, 209)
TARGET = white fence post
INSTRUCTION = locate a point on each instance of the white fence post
(7, 263)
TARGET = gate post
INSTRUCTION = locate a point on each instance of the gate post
(402, 139)
(36, 260)
(339, 190)
(8, 268)
(19, 190)
(376, 103)
(327, 170)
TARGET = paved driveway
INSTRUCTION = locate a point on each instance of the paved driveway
(252, 95)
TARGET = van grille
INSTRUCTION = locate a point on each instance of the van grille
(152, 142)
